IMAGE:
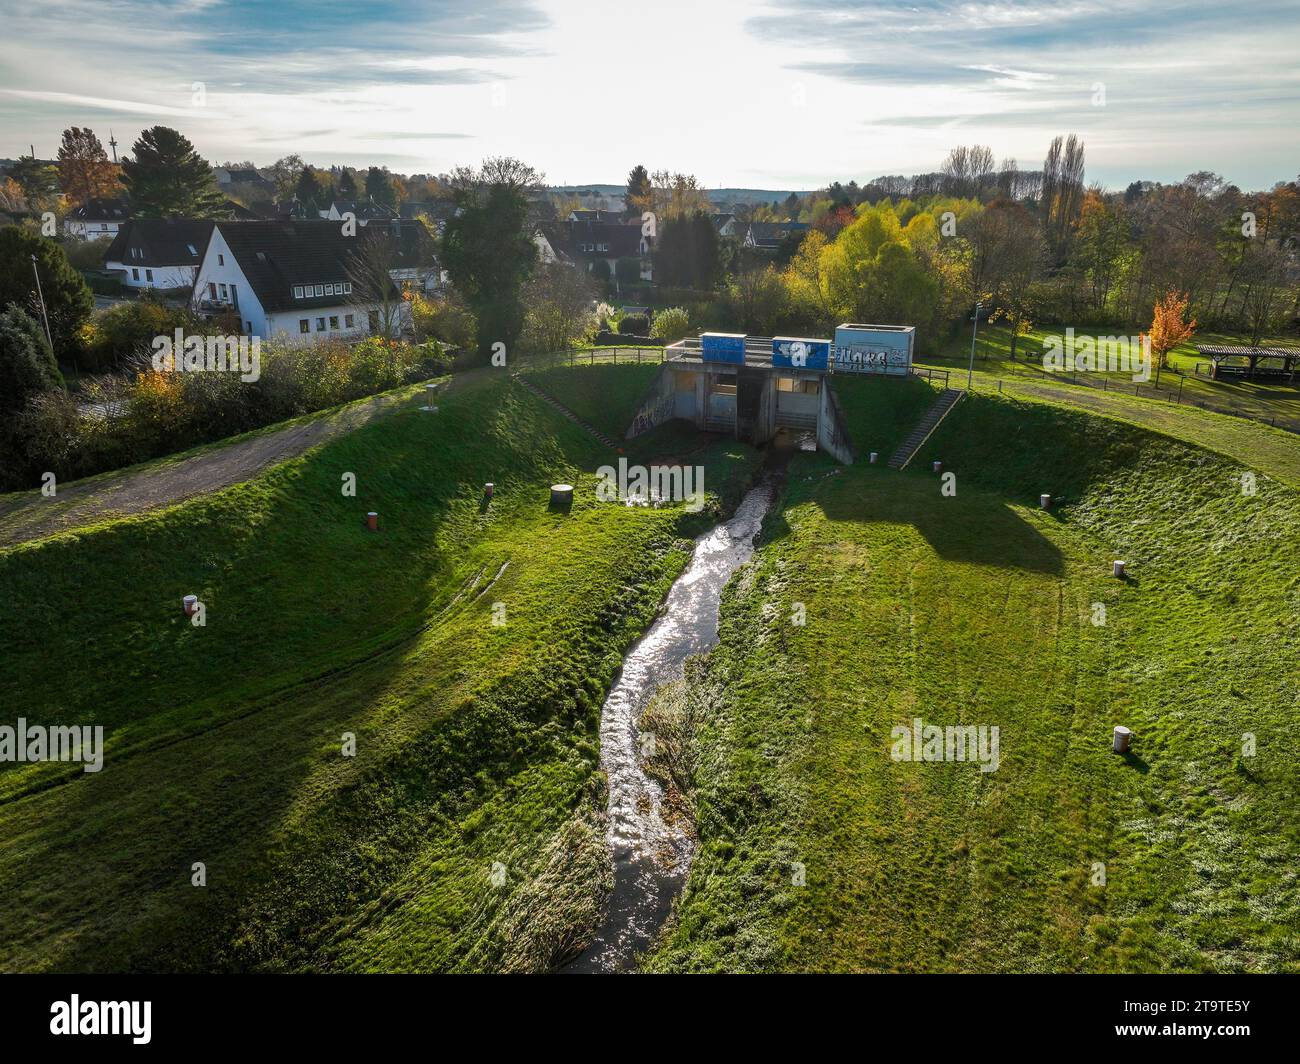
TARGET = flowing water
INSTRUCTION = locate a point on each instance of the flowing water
(652, 854)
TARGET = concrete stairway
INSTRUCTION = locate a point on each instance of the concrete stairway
(925, 428)
(566, 412)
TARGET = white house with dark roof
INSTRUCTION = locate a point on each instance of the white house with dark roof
(159, 253)
(299, 280)
(97, 219)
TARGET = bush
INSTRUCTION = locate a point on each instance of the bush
(145, 413)
(634, 325)
(671, 325)
(27, 365)
(114, 337)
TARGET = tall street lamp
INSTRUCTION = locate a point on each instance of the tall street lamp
(979, 305)
(41, 296)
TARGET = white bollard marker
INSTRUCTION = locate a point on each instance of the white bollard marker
(1117, 569)
(1045, 502)
(189, 603)
(1122, 739)
(875, 457)
(430, 390)
(938, 467)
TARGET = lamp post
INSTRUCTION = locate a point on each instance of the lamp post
(979, 305)
(41, 296)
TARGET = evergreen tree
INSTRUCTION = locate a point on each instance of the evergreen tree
(166, 177)
(67, 299)
(379, 187)
(27, 365)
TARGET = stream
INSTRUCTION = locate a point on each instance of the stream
(652, 855)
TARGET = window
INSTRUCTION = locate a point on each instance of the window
(347, 288)
(349, 322)
(221, 260)
(304, 326)
(148, 275)
(135, 274)
(320, 324)
(320, 289)
(373, 321)
(602, 247)
(212, 290)
(334, 321)
(225, 292)
(297, 291)
(193, 250)
(329, 289)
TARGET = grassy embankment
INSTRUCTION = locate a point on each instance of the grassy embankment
(980, 609)
(1179, 382)
(476, 743)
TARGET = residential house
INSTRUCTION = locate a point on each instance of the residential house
(770, 235)
(159, 253)
(296, 280)
(96, 219)
(726, 224)
(592, 241)
(364, 211)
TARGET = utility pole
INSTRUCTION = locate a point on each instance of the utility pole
(112, 143)
(44, 314)
(979, 305)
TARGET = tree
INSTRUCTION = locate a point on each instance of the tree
(1061, 196)
(68, 301)
(379, 187)
(755, 301)
(39, 182)
(488, 246)
(1169, 328)
(370, 269)
(557, 301)
(1007, 255)
(285, 172)
(347, 185)
(27, 365)
(308, 189)
(687, 253)
(640, 193)
(84, 170)
(166, 177)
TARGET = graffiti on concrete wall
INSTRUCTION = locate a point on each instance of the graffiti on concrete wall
(653, 412)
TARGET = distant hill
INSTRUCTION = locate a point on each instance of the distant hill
(726, 196)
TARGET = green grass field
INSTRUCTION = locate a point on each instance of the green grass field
(466, 833)
(475, 742)
(1267, 402)
(980, 609)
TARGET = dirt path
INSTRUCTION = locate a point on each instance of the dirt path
(31, 515)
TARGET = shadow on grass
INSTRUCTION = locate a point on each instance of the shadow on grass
(973, 527)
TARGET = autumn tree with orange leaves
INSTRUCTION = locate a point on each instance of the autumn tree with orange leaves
(1169, 327)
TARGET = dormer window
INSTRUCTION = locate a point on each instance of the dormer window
(297, 291)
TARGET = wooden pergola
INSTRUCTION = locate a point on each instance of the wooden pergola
(1251, 363)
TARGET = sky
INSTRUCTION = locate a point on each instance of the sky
(787, 94)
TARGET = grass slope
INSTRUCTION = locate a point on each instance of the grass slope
(605, 395)
(475, 742)
(980, 609)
